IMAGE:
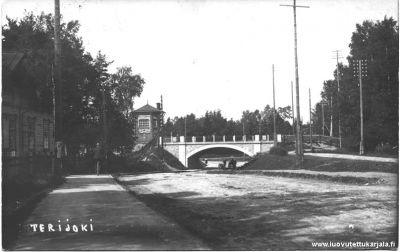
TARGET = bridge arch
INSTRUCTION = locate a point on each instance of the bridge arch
(212, 146)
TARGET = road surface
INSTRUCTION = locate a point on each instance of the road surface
(257, 212)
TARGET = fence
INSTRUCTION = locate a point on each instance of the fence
(334, 141)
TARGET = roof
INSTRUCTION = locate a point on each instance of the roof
(10, 60)
(147, 109)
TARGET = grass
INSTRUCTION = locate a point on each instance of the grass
(275, 162)
(152, 162)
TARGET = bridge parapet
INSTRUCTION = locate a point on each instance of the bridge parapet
(218, 139)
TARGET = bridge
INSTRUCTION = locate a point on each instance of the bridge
(185, 148)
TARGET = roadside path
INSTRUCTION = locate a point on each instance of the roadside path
(349, 156)
(119, 220)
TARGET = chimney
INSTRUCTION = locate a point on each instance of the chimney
(158, 106)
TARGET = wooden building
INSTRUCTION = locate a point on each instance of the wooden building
(148, 122)
(27, 127)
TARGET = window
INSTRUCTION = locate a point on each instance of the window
(144, 124)
(31, 133)
(12, 129)
(46, 133)
(155, 123)
(5, 132)
(9, 134)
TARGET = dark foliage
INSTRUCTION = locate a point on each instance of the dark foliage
(83, 80)
(378, 44)
(278, 151)
(213, 123)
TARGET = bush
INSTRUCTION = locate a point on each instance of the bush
(278, 151)
(386, 149)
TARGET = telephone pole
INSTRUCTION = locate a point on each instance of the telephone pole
(331, 127)
(273, 90)
(299, 135)
(360, 67)
(309, 100)
(105, 133)
(294, 131)
(323, 119)
(185, 142)
(162, 132)
(58, 86)
(243, 141)
(361, 111)
(338, 95)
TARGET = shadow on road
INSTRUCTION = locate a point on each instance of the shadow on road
(288, 220)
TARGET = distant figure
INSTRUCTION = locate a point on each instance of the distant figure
(206, 161)
(98, 157)
(232, 164)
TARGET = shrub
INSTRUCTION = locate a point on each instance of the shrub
(278, 151)
(386, 148)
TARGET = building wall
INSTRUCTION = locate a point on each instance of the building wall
(146, 135)
(34, 132)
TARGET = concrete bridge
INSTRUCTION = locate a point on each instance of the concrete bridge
(185, 148)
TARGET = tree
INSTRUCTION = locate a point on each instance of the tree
(124, 88)
(83, 78)
(376, 42)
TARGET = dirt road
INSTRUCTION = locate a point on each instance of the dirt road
(252, 212)
(106, 217)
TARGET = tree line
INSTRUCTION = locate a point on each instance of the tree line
(84, 78)
(214, 123)
(378, 44)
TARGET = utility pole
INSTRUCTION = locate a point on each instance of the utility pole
(360, 69)
(105, 133)
(299, 135)
(162, 131)
(273, 89)
(294, 131)
(331, 129)
(309, 100)
(361, 111)
(243, 141)
(338, 95)
(323, 119)
(58, 85)
(185, 143)
(243, 130)
(162, 124)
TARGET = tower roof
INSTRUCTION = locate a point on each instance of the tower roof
(147, 109)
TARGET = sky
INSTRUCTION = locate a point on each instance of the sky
(206, 55)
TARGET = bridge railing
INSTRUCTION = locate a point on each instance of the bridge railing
(315, 139)
(229, 139)
(217, 138)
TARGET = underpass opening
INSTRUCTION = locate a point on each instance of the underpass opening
(211, 157)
